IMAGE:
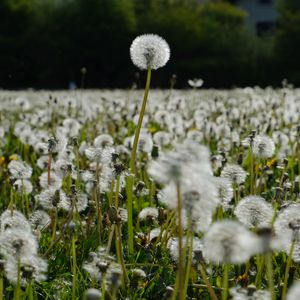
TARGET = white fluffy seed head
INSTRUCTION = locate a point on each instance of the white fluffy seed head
(149, 51)
(254, 211)
(228, 241)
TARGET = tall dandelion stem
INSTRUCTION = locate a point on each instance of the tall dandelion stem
(180, 273)
(1, 287)
(74, 267)
(225, 281)
(140, 121)
(270, 275)
(189, 246)
(286, 273)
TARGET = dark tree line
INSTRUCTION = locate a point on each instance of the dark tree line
(45, 43)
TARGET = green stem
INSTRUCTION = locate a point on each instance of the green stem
(120, 252)
(30, 291)
(139, 125)
(18, 287)
(260, 263)
(180, 273)
(74, 266)
(1, 287)
(103, 287)
(189, 244)
(225, 282)
(54, 224)
(251, 172)
(129, 192)
(49, 168)
(207, 283)
(268, 257)
(287, 268)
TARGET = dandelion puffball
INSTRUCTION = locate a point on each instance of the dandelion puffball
(149, 51)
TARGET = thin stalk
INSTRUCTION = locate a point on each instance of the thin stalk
(111, 235)
(30, 291)
(74, 267)
(225, 281)
(49, 167)
(259, 263)
(207, 283)
(180, 273)
(1, 287)
(140, 121)
(251, 172)
(54, 224)
(129, 192)
(270, 275)
(287, 268)
(189, 244)
(120, 252)
(103, 287)
(17, 295)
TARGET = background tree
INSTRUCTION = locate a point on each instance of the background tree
(288, 39)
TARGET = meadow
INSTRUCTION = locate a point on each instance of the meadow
(210, 211)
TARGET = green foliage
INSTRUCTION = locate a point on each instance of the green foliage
(46, 43)
(288, 39)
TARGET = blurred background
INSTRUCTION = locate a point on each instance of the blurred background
(61, 44)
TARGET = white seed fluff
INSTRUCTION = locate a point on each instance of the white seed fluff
(149, 51)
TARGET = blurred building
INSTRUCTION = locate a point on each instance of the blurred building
(262, 14)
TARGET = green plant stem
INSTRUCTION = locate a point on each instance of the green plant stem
(129, 193)
(180, 273)
(17, 295)
(270, 275)
(49, 168)
(251, 172)
(189, 246)
(54, 224)
(74, 267)
(139, 125)
(260, 263)
(103, 288)
(1, 287)
(30, 291)
(120, 252)
(286, 273)
(225, 281)
(207, 283)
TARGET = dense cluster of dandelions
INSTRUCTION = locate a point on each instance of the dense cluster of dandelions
(74, 187)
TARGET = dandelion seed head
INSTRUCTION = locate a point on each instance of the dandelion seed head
(235, 173)
(19, 169)
(93, 294)
(149, 51)
(55, 181)
(23, 186)
(249, 293)
(18, 242)
(39, 220)
(294, 291)
(263, 146)
(31, 268)
(225, 191)
(13, 219)
(254, 211)
(51, 198)
(228, 241)
(148, 213)
(103, 140)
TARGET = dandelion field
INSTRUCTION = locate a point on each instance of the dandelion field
(211, 212)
